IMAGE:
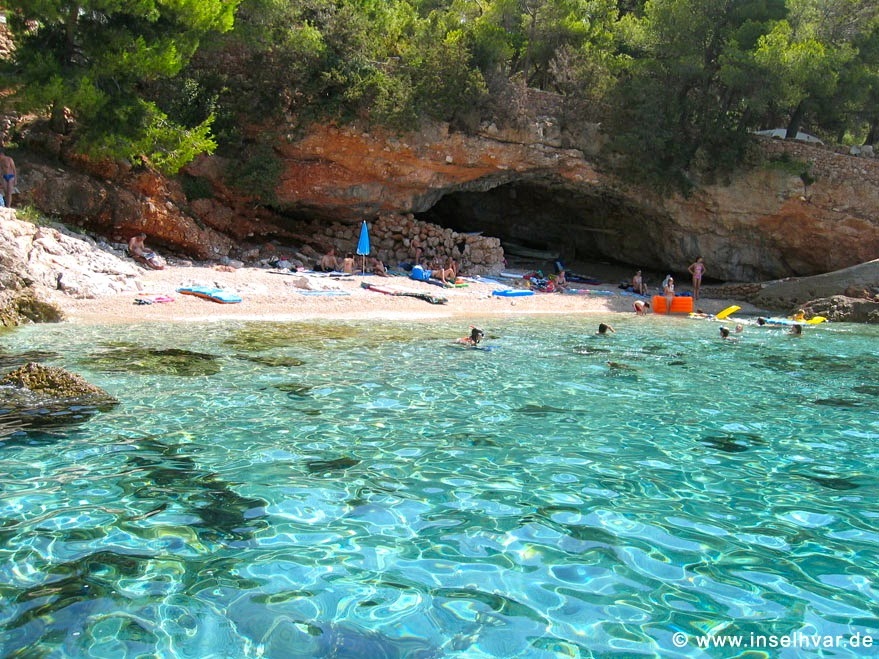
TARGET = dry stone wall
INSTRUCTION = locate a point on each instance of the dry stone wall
(395, 238)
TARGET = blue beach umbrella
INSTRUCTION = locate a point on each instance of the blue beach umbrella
(363, 244)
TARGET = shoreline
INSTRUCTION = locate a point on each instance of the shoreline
(269, 295)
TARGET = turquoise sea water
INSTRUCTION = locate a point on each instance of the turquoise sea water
(372, 490)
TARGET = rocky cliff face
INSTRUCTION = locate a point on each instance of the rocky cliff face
(527, 188)
(801, 210)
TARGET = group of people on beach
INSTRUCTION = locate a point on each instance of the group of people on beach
(667, 288)
(444, 270)
(329, 262)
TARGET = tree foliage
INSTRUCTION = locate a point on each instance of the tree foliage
(678, 84)
(93, 59)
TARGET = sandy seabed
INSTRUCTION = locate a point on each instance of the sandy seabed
(272, 295)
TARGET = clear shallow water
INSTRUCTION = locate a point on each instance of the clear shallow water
(371, 490)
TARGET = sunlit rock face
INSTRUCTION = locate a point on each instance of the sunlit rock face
(760, 224)
(530, 186)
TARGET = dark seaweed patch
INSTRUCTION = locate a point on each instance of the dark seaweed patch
(589, 350)
(541, 410)
(149, 361)
(260, 337)
(22, 358)
(294, 390)
(833, 483)
(734, 443)
(323, 466)
(839, 402)
(272, 361)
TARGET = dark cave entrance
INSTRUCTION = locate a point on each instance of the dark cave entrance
(581, 228)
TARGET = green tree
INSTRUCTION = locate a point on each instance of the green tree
(96, 58)
(812, 59)
(682, 106)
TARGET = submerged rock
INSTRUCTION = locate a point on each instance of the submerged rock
(126, 358)
(35, 396)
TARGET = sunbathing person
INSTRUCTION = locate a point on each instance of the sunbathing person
(329, 262)
(142, 255)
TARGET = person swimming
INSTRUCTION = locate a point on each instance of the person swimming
(476, 335)
(604, 328)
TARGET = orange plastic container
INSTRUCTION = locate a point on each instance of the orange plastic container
(682, 304)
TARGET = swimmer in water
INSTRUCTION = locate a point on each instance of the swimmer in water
(476, 335)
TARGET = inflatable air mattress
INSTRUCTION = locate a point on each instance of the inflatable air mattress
(212, 294)
(682, 304)
(512, 293)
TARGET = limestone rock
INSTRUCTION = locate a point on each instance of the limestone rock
(53, 383)
(41, 397)
(799, 210)
(791, 293)
(36, 260)
(840, 308)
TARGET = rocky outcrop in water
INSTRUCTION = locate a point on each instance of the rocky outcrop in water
(38, 397)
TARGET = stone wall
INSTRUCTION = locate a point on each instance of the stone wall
(832, 164)
(394, 238)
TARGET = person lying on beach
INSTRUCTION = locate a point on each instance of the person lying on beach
(444, 273)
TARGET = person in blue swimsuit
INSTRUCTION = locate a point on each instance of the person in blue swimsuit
(7, 170)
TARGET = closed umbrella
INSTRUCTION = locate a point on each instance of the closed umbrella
(363, 244)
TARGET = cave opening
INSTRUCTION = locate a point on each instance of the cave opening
(549, 221)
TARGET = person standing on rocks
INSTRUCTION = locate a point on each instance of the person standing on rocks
(8, 173)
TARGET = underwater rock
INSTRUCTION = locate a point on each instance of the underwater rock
(53, 382)
(323, 466)
(126, 358)
(38, 396)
